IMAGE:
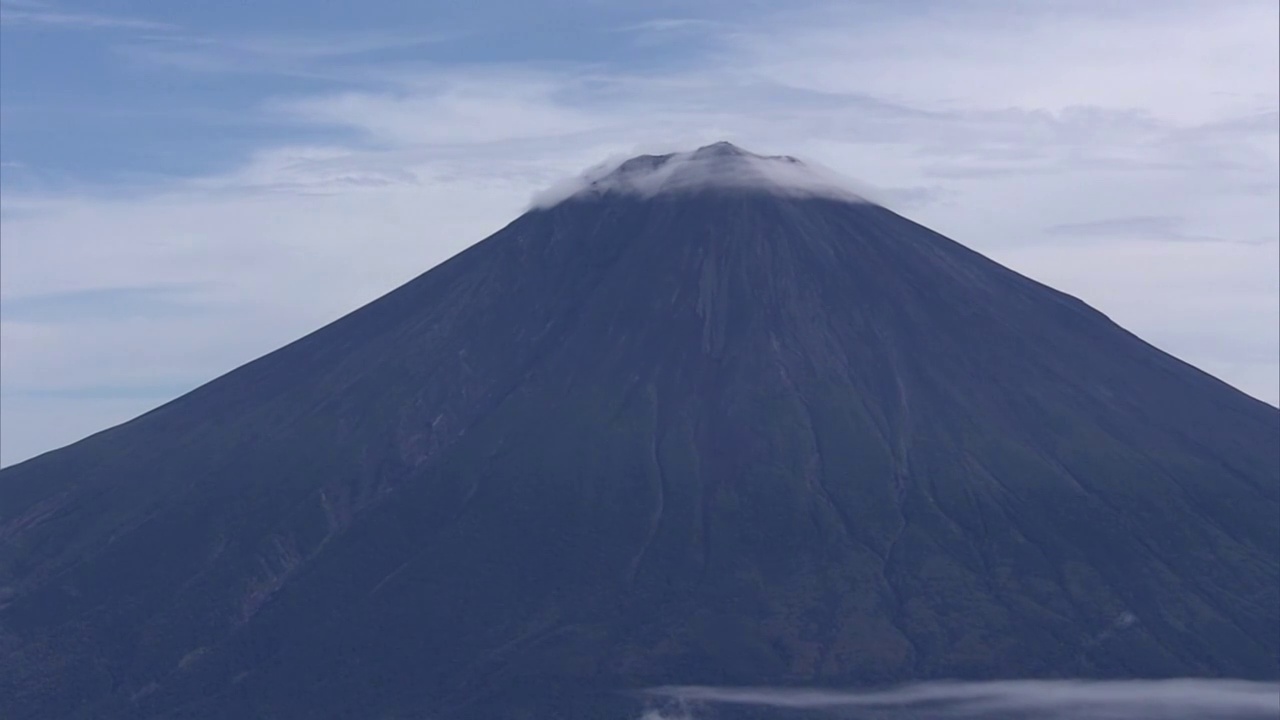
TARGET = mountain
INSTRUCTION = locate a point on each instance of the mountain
(701, 418)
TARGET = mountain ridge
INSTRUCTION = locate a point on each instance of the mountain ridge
(628, 441)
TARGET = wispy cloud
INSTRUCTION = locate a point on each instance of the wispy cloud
(45, 15)
(1165, 228)
(301, 56)
(672, 25)
(657, 31)
(115, 303)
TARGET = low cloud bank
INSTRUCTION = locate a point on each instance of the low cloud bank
(1179, 699)
(721, 165)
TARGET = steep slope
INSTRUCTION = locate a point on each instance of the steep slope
(674, 430)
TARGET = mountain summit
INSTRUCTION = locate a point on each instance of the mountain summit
(719, 167)
(653, 432)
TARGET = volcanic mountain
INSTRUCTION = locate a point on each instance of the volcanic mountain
(702, 418)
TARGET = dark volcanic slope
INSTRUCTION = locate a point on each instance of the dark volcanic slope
(709, 437)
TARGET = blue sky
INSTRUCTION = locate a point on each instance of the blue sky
(189, 185)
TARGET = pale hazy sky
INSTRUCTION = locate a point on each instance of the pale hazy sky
(188, 186)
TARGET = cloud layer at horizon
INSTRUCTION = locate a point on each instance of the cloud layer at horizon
(1169, 699)
(183, 193)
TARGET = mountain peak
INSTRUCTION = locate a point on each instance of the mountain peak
(723, 148)
(720, 166)
(734, 439)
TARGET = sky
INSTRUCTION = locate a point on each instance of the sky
(187, 186)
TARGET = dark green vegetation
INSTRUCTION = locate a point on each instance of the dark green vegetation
(724, 437)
